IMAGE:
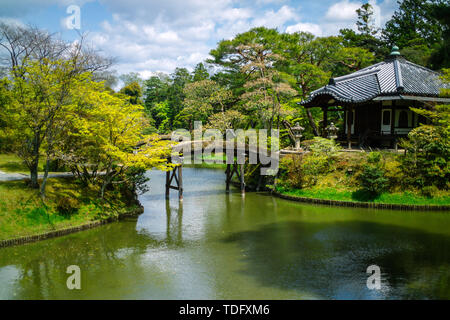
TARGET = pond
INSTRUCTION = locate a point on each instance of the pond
(224, 246)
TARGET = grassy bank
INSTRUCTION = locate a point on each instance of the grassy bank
(23, 213)
(12, 163)
(406, 198)
(377, 177)
(209, 162)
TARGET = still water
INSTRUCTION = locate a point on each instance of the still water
(223, 246)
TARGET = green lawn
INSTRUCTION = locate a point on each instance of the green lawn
(23, 213)
(387, 198)
(12, 163)
(208, 162)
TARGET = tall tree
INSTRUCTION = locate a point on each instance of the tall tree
(180, 78)
(413, 20)
(134, 91)
(252, 54)
(44, 71)
(203, 98)
(104, 141)
(367, 36)
(366, 22)
(200, 73)
(441, 57)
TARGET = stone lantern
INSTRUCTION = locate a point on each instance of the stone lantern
(297, 131)
(332, 131)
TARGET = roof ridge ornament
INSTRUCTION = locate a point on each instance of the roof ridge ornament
(395, 52)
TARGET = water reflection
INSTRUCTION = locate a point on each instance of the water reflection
(174, 223)
(219, 245)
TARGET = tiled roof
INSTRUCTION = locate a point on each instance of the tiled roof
(394, 76)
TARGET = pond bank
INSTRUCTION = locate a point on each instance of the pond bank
(371, 205)
(66, 231)
(68, 207)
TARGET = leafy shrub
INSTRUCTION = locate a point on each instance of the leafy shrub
(429, 191)
(324, 147)
(373, 180)
(426, 160)
(394, 174)
(66, 205)
(291, 172)
(312, 166)
(374, 157)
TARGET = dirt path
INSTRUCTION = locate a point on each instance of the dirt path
(20, 176)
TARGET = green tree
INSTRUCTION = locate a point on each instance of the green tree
(202, 99)
(413, 20)
(441, 57)
(365, 23)
(103, 140)
(176, 94)
(249, 59)
(133, 91)
(42, 96)
(200, 73)
(367, 36)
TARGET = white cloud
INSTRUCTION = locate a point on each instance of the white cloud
(152, 36)
(274, 19)
(343, 11)
(313, 28)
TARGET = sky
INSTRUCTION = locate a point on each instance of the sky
(149, 36)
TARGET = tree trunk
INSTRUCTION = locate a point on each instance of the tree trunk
(35, 161)
(44, 179)
(312, 123)
(34, 175)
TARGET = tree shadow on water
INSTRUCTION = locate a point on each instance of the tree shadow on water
(329, 260)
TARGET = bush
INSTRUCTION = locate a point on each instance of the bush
(374, 157)
(313, 166)
(394, 174)
(426, 160)
(291, 172)
(66, 205)
(324, 147)
(373, 180)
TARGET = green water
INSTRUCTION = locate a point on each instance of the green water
(223, 246)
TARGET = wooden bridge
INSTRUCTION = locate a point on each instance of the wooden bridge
(239, 153)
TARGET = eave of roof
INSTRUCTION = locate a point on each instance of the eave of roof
(393, 77)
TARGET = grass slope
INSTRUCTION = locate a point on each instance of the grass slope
(23, 213)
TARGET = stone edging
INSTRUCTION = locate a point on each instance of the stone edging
(66, 231)
(405, 207)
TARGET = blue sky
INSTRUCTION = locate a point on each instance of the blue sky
(149, 36)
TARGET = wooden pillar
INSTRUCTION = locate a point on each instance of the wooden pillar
(242, 179)
(167, 184)
(393, 142)
(349, 120)
(325, 121)
(227, 172)
(180, 182)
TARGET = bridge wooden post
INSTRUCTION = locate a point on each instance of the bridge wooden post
(167, 184)
(180, 182)
(242, 179)
(228, 179)
(176, 173)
